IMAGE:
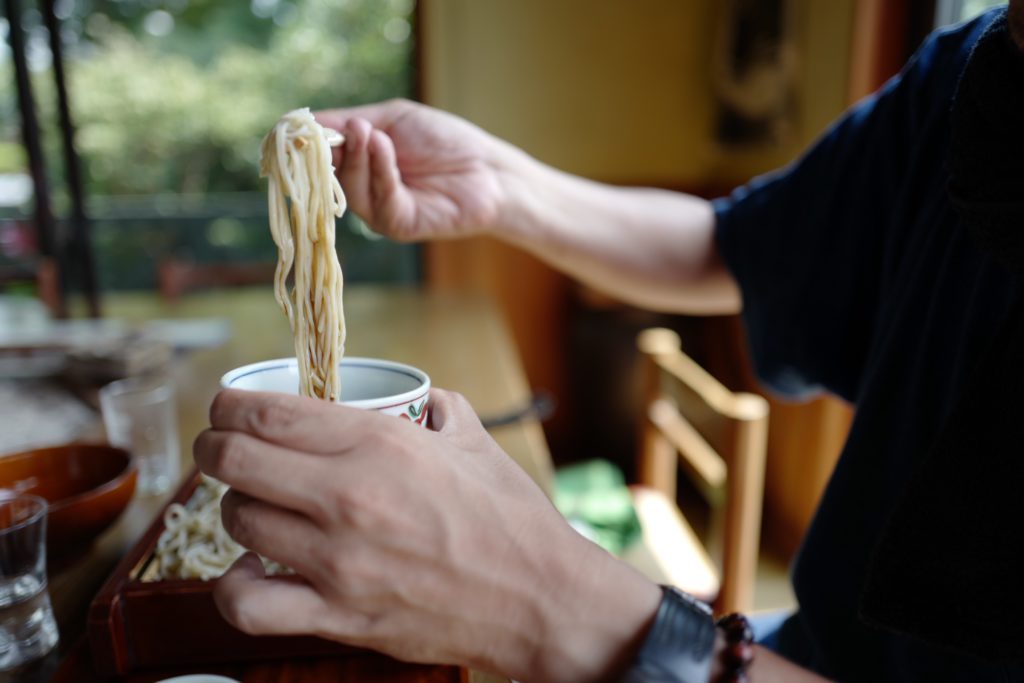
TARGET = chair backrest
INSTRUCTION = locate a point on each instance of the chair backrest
(719, 437)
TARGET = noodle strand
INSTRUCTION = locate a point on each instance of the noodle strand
(304, 198)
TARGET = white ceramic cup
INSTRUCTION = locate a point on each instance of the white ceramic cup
(368, 383)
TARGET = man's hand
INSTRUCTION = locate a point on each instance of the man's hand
(413, 172)
(430, 546)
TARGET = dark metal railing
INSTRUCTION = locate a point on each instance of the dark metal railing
(132, 235)
(68, 248)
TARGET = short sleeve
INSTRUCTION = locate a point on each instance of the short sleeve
(808, 244)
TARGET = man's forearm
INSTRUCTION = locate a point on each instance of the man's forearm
(768, 667)
(651, 248)
(594, 618)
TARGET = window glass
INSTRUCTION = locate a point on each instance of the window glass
(956, 11)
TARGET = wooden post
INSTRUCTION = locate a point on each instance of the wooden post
(657, 463)
(743, 509)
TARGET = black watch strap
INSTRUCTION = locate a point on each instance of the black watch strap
(680, 645)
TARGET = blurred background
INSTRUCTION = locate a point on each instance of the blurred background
(168, 100)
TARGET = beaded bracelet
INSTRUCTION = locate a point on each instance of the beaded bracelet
(739, 648)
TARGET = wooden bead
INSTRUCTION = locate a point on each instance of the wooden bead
(739, 650)
(738, 655)
(736, 628)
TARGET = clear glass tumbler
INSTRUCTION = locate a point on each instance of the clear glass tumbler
(139, 414)
(27, 627)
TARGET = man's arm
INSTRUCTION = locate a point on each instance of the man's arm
(652, 248)
(768, 667)
(416, 173)
(460, 560)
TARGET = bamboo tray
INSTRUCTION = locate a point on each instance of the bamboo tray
(135, 623)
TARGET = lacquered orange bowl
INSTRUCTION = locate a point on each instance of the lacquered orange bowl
(88, 486)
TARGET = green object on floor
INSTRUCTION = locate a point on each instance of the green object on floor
(594, 498)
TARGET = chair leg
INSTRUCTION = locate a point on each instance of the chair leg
(657, 466)
(743, 517)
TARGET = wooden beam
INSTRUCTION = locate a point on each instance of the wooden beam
(695, 453)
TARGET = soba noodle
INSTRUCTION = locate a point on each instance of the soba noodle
(304, 198)
(194, 544)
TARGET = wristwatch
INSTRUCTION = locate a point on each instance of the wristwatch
(680, 645)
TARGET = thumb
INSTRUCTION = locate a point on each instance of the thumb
(452, 416)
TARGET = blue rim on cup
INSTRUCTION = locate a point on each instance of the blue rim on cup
(368, 383)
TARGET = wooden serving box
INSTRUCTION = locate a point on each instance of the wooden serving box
(138, 623)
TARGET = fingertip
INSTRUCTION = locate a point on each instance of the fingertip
(330, 118)
(337, 156)
(251, 564)
(233, 582)
(246, 569)
(231, 500)
(436, 419)
(199, 446)
(438, 395)
(444, 407)
(453, 415)
(232, 594)
(267, 605)
(357, 132)
(353, 167)
(230, 405)
(219, 407)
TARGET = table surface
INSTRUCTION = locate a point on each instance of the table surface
(458, 339)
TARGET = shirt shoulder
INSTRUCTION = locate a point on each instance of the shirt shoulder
(936, 66)
(812, 244)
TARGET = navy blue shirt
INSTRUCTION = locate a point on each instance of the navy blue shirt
(859, 279)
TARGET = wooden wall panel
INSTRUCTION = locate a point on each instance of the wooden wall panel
(532, 296)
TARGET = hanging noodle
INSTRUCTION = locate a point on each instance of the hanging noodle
(304, 199)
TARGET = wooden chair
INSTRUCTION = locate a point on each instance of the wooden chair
(718, 437)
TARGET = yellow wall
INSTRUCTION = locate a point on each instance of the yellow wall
(613, 89)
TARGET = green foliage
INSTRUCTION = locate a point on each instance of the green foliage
(12, 157)
(8, 102)
(152, 119)
(176, 110)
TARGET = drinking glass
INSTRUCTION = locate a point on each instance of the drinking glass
(140, 416)
(27, 627)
